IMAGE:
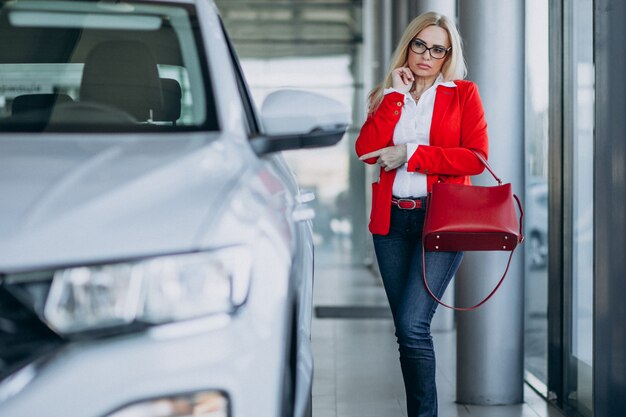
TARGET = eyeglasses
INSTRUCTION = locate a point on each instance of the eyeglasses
(437, 52)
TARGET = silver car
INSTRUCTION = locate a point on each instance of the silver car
(155, 250)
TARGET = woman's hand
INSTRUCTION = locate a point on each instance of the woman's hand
(402, 79)
(389, 158)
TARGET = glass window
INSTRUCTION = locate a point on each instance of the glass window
(536, 201)
(580, 146)
(289, 46)
(91, 66)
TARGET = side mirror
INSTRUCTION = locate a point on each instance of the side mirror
(299, 119)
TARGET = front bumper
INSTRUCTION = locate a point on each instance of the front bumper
(92, 378)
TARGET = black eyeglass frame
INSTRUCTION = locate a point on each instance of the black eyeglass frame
(426, 48)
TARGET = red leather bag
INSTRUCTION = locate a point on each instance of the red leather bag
(471, 218)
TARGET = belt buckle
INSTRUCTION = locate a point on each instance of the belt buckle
(408, 200)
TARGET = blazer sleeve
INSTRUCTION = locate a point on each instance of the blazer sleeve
(377, 131)
(457, 160)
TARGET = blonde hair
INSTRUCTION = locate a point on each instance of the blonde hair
(453, 69)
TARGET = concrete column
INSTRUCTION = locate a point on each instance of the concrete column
(362, 54)
(406, 10)
(444, 318)
(445, 7)
(490, 340)
(402, 12)
(377, 49)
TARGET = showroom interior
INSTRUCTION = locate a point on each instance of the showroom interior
(551, 342)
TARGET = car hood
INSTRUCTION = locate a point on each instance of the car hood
(70, 201)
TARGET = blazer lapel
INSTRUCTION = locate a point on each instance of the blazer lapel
(443, 100)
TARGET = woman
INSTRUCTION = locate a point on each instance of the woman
(423, 122)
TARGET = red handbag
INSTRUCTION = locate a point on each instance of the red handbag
(471, 218)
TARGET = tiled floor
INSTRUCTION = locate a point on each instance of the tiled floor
(357, 372)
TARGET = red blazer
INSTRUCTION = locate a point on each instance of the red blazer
(458, 125)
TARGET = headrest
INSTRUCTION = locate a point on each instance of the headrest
(37, 102)
(122, 74)
(172, 95)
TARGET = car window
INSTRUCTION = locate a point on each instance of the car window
(94, 66)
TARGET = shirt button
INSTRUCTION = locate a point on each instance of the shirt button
(396, 112)
(399, 103)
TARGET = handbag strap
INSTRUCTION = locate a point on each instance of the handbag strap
(519, 204)
(521, 218)
(508, 264)
(486, 164)
(462, 308)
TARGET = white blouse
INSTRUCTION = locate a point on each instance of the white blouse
(413, 128)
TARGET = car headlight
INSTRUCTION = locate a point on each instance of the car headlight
(156, 290)
(200, 404)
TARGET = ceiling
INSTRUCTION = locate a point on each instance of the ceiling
(279, 28)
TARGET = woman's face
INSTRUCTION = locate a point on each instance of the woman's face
(424, 65)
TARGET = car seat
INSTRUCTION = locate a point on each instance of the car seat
(123, 75)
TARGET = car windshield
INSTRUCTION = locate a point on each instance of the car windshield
(91, 66)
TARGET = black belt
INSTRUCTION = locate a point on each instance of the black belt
(409, 203)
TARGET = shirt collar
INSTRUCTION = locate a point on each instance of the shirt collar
(438, 81)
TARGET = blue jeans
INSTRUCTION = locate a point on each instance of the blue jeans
(400, 262)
